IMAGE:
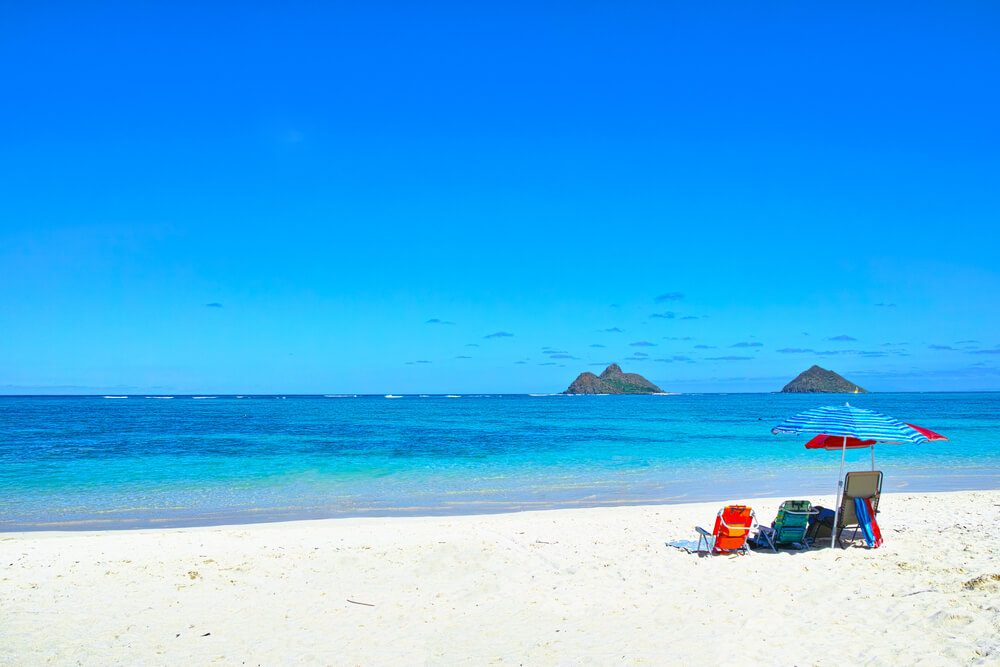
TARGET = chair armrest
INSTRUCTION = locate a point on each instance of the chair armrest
(702, 531)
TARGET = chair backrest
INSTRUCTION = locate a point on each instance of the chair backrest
(859, 485)
(792, 521)
(732, 526)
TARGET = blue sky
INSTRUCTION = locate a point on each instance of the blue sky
(359, 198)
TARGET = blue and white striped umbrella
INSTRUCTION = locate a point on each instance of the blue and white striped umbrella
(846, 420)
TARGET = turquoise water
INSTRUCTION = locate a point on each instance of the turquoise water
(85, 462)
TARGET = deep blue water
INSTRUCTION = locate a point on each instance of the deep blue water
(84, 462)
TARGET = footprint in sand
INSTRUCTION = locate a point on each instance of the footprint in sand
(986, 582)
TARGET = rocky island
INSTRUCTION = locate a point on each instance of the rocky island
(612, 381)
(818, 380)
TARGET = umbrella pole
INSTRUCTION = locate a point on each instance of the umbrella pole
(840, 486)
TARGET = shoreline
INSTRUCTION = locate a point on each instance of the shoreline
(277, 515)
(540, 587)
(319, 522)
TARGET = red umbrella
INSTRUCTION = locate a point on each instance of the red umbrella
(836, 442)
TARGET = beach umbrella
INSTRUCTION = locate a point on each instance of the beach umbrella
(845, 422)
(832, 442)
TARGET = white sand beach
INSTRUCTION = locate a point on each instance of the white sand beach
(591, 586)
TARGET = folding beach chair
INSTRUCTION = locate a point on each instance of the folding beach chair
(732, 526)
(789, 527)
(864, 485)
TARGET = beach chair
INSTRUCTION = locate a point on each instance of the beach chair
(732, 527)
(789, 527)
(864, 485)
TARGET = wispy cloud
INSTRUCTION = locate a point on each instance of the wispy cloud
(520, 362)
(548, 363)
(966, 342)
(472, 345)
(500, 334)
(729, 358)
(562, 355)
(642, 343)
(690, 317)
(940, 347)
(669, 296)
(463, 356)
(745, 343)
(418, 361)
(214, 304)
(435, 320)
(597, 345)
(678, 338)
(795, 350)
(666, 315)
(994, 350)
(675, 358)
(882, 304)
(639, 355)
(843, 338)
(704, 347)
(612, 330)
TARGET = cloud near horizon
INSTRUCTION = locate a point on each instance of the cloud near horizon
(729, 358)
(500, 334)
(642, 343)
(747, 344)
(214, 304)
(669, 296)
(435, 320)
(843, 338)
(666, 315)
(612, 330)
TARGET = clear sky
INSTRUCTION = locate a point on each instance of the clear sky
(421, 197)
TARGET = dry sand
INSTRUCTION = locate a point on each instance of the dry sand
(577, 586)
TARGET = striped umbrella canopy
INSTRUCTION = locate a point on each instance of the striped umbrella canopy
(832, 442)
(850, 422)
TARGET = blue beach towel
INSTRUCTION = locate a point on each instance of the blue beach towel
(864, 521)
(689, 546)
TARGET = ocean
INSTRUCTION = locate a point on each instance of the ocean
(96, 462)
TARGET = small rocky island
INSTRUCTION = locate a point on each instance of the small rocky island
(612, 381)
(818, 380)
